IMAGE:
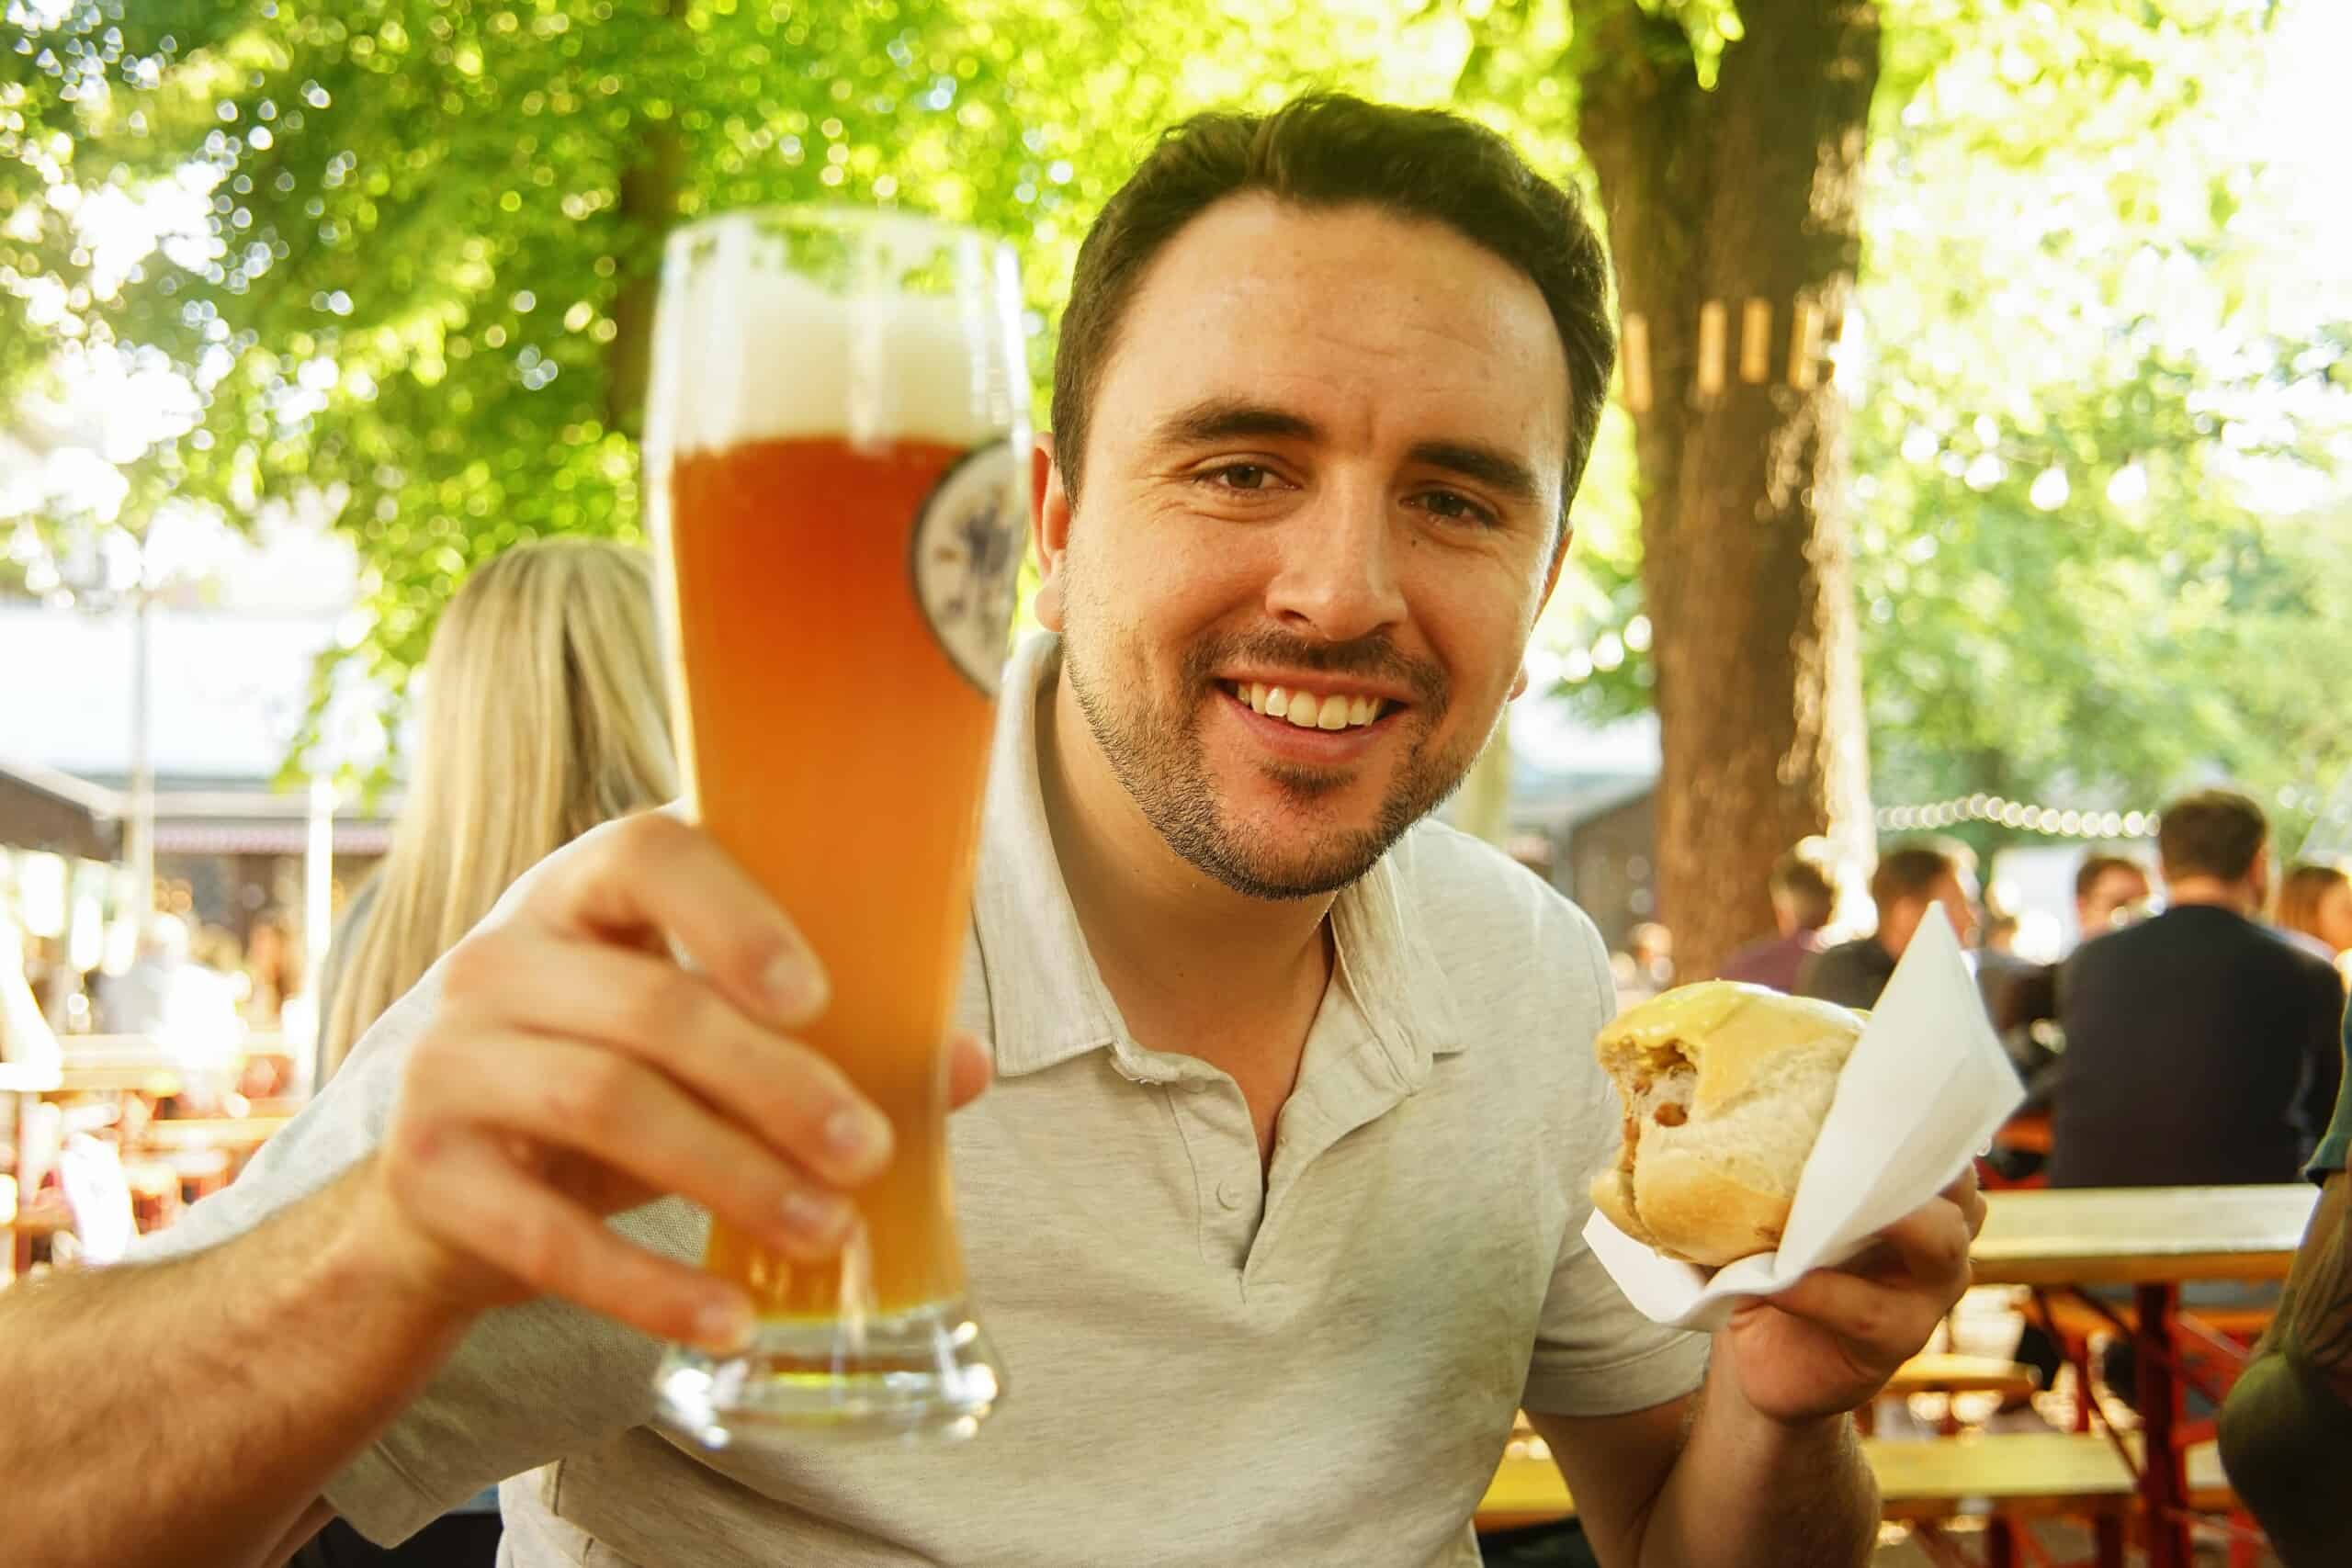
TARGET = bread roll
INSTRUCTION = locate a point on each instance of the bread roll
(1726, 1087)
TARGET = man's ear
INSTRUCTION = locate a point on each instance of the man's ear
(1049, 518)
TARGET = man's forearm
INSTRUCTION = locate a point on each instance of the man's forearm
(190, 1410)
(1748, 1492)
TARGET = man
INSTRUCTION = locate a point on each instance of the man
(1909, 882)
(2287, 1428)
(1274, 1211)
(2201, 1045)
(1804, 897)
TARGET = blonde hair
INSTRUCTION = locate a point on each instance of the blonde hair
(2301, 892)
(544, 714)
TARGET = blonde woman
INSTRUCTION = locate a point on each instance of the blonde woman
(544, 714)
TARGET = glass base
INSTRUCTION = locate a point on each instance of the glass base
(929, 1374)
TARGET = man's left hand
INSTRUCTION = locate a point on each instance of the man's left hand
(1828, 1343)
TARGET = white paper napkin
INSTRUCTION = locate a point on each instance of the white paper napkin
(1927, 1087)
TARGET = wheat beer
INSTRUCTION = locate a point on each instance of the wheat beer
(834, 479)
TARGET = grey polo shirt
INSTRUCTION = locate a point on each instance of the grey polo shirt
(1205, 1367)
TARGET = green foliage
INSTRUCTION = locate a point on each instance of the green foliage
(2072, 268)
(425, 230)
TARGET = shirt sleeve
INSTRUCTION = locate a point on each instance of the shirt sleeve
(1595, 1355)
(528, 1385)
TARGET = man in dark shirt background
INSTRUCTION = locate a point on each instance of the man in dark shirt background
(1908, 882)
(2201, 1047)
(1804, 897)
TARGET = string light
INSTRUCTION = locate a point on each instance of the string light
(2019, 817)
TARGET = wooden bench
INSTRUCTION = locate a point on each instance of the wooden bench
(2021, 1475)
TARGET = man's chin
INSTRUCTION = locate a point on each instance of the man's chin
(1276, 878)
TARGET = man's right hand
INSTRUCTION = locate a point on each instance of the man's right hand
(572, 1068)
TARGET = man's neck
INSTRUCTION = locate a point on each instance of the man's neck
(2211, 892)
(1173, 944)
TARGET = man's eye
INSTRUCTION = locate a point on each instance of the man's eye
(1456, 507)
(1241, 476)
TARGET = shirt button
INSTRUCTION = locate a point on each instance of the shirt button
(1229, 1193)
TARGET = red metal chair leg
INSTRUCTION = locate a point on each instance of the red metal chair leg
(2107, 1536)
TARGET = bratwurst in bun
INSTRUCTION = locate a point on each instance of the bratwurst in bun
(1726, 1087)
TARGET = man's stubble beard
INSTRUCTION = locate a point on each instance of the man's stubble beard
(1160, 760)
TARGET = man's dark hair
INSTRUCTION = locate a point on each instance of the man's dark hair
(1801, 881)
(1913, 870)
(2215, 832)
(2093, 866)
(1328, 150)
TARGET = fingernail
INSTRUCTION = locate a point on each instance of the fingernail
(858, 1133)
(794, 984)
(814, 1218)
(723, 1323)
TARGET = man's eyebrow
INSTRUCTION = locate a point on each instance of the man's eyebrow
(1220, 418)
(1216, 419)
(1488, 465)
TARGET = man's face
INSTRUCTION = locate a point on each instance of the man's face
(1900, 922)
(1325, 460)
(2113, 891)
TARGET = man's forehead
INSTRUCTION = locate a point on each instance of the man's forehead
(1257, 297)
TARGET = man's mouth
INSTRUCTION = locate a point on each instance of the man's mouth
(1331, 708)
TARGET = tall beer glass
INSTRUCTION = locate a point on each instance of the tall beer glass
(836, 448)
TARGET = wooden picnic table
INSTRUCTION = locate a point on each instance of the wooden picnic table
(2154, 1240)
(2113, 1235)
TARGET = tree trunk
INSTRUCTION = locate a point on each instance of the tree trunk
(649, 210)
(1734, 221)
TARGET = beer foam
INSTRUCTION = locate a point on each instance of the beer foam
(746, 352)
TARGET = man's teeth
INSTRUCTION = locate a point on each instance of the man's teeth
(1309, 711)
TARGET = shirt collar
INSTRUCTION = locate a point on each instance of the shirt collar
(1047, 999)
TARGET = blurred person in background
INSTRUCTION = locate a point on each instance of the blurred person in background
(133, 1002)
(188, 1007)
(1646, 966)
(2201, 1046)
(2315, 907)
(1910, 880)
(544, 715)
(1803, 895)
(2109, 889)
(270, 967)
